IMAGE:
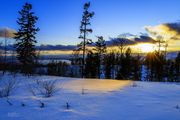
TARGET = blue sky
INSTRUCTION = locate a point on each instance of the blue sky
(59, 20)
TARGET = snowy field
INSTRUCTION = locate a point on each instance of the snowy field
(101, 100)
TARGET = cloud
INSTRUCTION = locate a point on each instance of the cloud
(56, 47)
(125, 38)
(117, 41)
(144, 39)
(7, 32)
(130, 39)
(46, 47)
(170, 31)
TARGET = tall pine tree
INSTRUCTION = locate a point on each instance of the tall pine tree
(25, 36)
(84, 30)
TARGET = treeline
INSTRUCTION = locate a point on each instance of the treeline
(117, 64)
(89, 62)
(160, 69)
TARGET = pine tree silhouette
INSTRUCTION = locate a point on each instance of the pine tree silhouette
(25, 37)
(84, 30)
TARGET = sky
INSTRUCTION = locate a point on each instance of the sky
(59, 20)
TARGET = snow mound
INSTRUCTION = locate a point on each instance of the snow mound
(96, 85)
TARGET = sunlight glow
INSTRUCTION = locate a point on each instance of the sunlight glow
(145, 47)
(96, 85)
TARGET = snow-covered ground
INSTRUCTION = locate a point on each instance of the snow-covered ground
(102, 100)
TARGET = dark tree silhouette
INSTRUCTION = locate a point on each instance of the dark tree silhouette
(155, 63)
(162, 45)
(109, 62)
(177, 64)
(84, 30)
(121, 42)
(136, 67)
(25, 37)
(170, 73)
(126, 68)
(57, 68)
(91, 65)
(100, 50)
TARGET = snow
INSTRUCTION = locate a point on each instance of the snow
(103, 100)
(96, 85)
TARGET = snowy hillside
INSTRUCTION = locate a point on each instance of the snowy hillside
(101, 100)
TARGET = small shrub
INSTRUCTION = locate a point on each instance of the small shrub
(7, 87)
(48, 88)
(44, 88)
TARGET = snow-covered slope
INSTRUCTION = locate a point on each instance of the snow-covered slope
(111, 100)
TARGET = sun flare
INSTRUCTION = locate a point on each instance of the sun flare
(145, 47)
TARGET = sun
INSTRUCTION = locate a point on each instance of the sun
(146, 47)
